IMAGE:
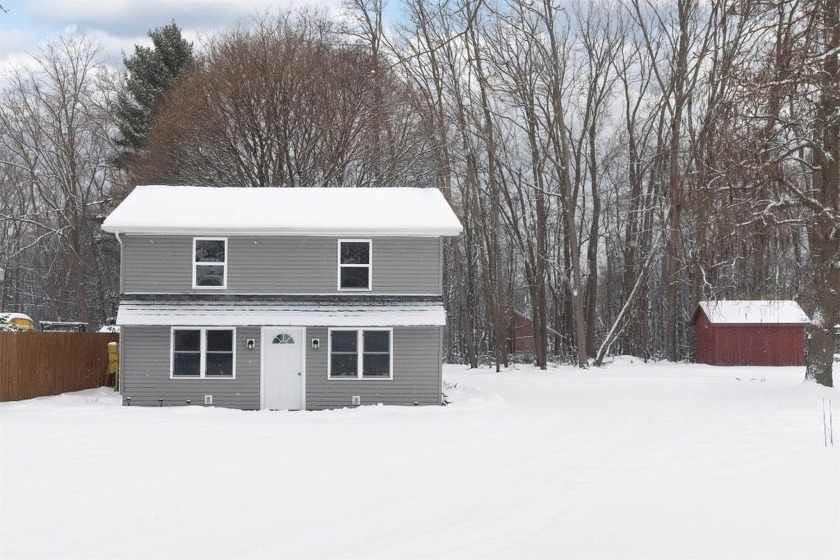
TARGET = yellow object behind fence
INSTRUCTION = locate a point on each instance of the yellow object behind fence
(16, 322)
(114, 362)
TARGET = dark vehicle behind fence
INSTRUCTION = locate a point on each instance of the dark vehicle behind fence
(63, 326)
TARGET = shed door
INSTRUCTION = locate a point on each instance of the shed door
(283, 368)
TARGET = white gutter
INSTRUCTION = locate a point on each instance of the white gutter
(262, 232)
(122, 276)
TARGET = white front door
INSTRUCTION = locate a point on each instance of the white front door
(283, 368)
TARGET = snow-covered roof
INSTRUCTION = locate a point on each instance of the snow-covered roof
(160, 209)
(9, 316)
(259, 313)
(753, 312)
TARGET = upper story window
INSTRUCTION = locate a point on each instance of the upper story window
(209, 262)
(354, 264)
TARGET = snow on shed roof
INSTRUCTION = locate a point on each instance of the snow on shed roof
(161, 209)
(753, 312)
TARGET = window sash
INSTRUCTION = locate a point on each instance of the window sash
(186, 361)
(374, 357)
(348, 266)
(197, 264)
(215, 358)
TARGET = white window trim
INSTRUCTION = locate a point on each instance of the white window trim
(360, 353)
(196, 264)
(202, 352)
(369, 266)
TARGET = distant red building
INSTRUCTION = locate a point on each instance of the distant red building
(750, 333)
(521, 334)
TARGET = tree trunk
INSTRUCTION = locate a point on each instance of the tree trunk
(824, 232)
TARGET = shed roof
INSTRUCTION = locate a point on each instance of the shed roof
(162, 209)
(752, 312)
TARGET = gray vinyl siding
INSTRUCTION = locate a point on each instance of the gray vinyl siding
(145, 372)
(281, 265)
(416, 375)
(145, 354)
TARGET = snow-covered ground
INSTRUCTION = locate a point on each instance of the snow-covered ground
(628, 461)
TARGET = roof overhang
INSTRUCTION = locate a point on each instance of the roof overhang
(241, 314)
(324, 232)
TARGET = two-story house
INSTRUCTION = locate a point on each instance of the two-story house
(273, 298)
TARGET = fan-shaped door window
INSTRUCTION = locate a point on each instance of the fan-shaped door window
(283, 338)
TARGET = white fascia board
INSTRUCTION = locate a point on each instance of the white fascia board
(449, 232)
(208, 316)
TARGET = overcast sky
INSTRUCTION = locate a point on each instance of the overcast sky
(120, 24)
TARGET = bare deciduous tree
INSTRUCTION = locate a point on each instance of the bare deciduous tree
(284, 102)
(55, 130)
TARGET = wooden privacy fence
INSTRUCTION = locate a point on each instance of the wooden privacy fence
(35, 364)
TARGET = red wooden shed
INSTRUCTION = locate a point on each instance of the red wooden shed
(750, 333)
(521, 334)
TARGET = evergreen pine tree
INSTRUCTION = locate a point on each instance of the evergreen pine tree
(150, 72)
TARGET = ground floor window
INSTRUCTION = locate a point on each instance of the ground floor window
(203, 352)
(360, 354)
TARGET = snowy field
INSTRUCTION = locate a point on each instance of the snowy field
(628, 461)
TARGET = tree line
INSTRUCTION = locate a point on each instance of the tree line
(612, 163)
